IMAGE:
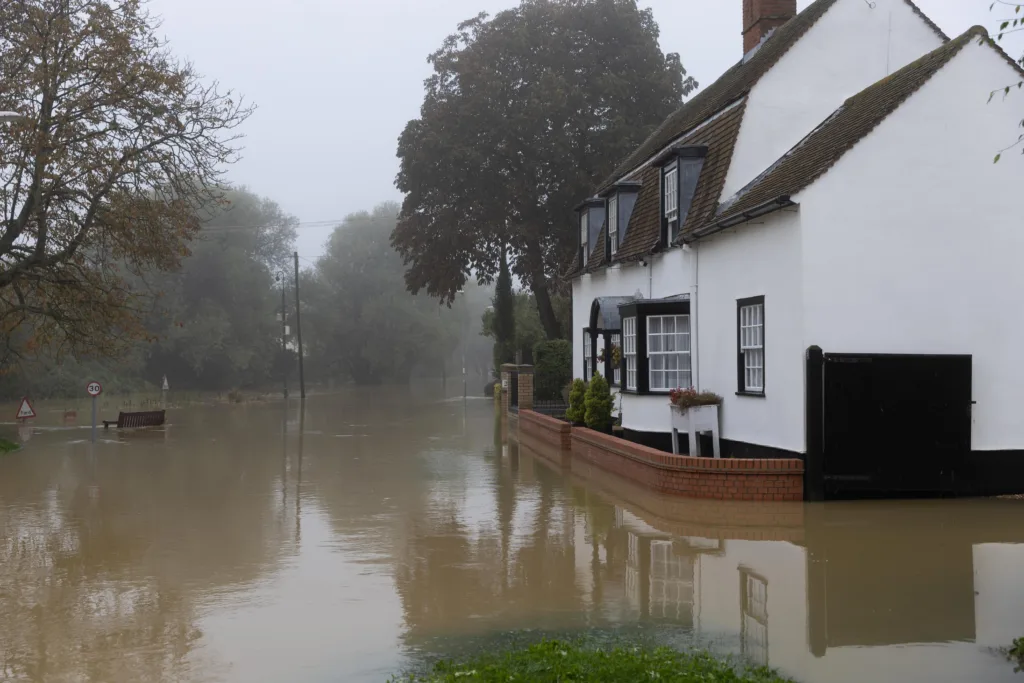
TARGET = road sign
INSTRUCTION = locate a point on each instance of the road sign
(94, 389)
(25, 411)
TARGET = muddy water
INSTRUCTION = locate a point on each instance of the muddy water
(365, 535)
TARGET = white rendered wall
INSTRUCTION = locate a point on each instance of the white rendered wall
(667, 274)
(913, 241)
(848, 49)
(760, 258)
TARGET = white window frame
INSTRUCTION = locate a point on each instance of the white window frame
(671, 191)
(584, 236)
(629, 351)
(616, 340)
(751, 345)
(613, 224)
(588, 355)
(664, 346)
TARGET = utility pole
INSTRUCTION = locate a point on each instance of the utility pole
(298, 329)
(284, 336)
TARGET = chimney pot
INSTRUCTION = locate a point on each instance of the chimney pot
(761, 16)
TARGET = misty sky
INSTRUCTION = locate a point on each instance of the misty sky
(337, 80)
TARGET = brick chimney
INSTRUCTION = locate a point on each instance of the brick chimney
(761, 16)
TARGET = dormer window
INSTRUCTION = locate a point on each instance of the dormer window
(591, 218)
(584, 238)
(680, 171)
(613, 224)
(670, 190)
(619, 203)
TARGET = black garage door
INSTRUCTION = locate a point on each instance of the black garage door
(894, 424)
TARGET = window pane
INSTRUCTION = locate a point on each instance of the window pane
(668, 325)
(654, 325)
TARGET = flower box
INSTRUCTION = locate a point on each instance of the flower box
(695, 420)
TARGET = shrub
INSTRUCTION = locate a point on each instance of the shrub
(599, 404)
(690, 398)
(577, 397)
(1016, 655)
(552, 368)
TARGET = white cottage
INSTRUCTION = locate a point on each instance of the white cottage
(822, 237)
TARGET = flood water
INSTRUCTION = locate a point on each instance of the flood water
(376, 531)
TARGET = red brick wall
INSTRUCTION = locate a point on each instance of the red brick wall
(547, 430)
(761, 16)
(724, 479)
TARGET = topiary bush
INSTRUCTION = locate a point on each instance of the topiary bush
(599, 404)
(577, 402)
(552, 368)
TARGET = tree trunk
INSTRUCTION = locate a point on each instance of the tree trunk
(539, 287)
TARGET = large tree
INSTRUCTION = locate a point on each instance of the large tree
(525, 113)
(362, 323)
(101, 180)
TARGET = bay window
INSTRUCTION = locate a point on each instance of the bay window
(656, 344)
(668, 352)
(629, 351)
(616, 373)
(588, 355)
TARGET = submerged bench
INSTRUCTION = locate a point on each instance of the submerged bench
(152, 418)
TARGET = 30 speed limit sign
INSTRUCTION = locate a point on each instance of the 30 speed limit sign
(94, 389)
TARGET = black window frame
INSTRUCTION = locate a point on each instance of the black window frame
(741, 380)
(641, 310)
(676, 158)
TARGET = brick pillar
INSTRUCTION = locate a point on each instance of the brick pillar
(525, 387)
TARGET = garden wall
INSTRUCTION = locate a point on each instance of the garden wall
(722, 479)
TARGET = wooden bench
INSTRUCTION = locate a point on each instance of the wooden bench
(152, 418)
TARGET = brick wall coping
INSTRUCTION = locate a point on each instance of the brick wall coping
(686, 463)
(545, 421)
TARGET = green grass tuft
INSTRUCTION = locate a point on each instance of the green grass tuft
(555, 660)
(8, 446)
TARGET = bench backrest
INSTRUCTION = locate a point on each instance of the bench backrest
(152, 418)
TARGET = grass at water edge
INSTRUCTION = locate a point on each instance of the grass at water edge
(556, 661)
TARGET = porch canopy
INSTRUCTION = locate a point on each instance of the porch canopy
(604, 313)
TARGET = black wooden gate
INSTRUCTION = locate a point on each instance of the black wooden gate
(894, 424)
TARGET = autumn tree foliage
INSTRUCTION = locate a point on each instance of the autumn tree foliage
(524, 115)
(102, 180)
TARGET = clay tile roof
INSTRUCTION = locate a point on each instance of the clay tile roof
(849, 124)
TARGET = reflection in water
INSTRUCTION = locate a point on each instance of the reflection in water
(353, 538)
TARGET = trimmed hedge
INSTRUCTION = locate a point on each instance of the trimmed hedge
(552, 368)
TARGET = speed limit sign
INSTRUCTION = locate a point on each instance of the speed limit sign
(94, 389)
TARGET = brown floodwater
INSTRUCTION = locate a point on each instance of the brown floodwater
(375, 531)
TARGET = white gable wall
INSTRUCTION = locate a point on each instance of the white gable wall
(850, 47)
(913, 241)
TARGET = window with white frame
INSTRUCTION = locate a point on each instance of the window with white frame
(613, 224)
(671, 193)
(629, 351)
(668, 352)
(751, 345)
(588, 356)
(616, 367)
(584, 229)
